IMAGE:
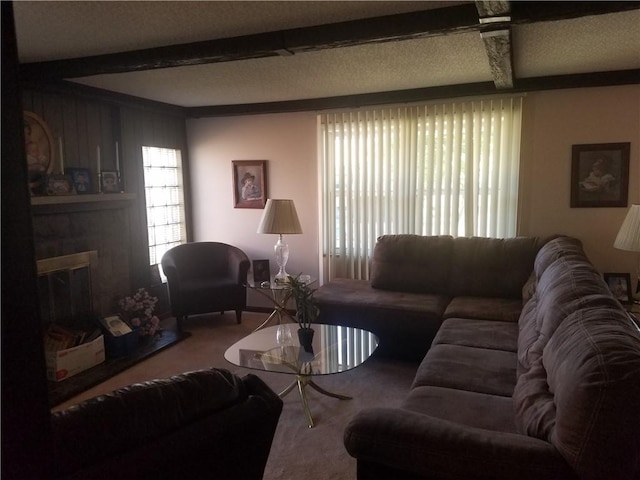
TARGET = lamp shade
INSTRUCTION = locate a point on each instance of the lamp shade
(629, 235)
(280, 217)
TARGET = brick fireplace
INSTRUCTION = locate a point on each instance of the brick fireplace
(88, 223)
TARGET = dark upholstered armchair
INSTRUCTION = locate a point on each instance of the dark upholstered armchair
(205, 277)
(196, 425)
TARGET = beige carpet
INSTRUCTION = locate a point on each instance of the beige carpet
(297, 452)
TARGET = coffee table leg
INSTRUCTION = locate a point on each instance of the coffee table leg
(287, 390)
(318, 388)
(303, 396)
(263, 324)
(301, 382)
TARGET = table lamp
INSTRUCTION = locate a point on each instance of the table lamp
(280, 217)
(629, 239)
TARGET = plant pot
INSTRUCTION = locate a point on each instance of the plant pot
(305, 337)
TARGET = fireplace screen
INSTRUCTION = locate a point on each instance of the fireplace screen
(66, 291)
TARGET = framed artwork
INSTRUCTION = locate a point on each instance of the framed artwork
(81, 179)
(109, 181)
(59, 184)
(249, 183)
(40, 152)
(600, 175)
(620, 286)
(261, 271)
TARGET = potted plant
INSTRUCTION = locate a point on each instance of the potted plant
(306, 309)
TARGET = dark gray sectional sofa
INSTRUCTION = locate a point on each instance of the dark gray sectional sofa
(531, 368)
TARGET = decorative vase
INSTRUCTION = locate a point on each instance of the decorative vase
(305, 337)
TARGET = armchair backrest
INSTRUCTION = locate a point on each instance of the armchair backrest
(202, 259)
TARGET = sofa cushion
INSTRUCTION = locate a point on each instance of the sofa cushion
(468, 368)
(529, 288)
(491, 267)
(405, 323)
(556, 248)
(398, 444)
(485, 308)
(583, 394)
(569, 283)
(412, 263)
(468, 332)
(480, 410)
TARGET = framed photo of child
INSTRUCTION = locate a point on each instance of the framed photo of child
(249, 183)
(600, 175)
(81, 179)
(261, 271)
(620, 286)
(109, 181)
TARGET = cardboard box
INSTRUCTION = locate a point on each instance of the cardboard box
(66, 363)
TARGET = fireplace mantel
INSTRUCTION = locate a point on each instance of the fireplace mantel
(92, 201)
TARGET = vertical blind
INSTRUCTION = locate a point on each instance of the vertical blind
(436, 169)
(164, 198)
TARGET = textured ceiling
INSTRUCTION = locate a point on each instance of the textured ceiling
(58, 30)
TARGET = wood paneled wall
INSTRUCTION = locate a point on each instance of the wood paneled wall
(81, 125)
(86, 123)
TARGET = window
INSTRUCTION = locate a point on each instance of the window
(164, 199)
(436, 169)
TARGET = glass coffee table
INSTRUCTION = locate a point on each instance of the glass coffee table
(334, 349)
(278, 293)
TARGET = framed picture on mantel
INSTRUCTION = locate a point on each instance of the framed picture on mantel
(600, 175)
(81, 179)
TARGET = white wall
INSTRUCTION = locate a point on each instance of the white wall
(288, 143)
(553, 122)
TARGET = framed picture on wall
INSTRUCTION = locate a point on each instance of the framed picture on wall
(249, 183)
(600, 175)
(620, 286)
(40, 152)
(81, 179)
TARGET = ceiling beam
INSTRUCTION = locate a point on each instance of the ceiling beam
(495, 31)
(421, 24)
(344, 34)
(583, 80)
(416, 95)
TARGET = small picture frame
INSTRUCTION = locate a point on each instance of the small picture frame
(249, 183)
(109, 181)
(600, 175)
(59, 184)
(261, 271)
(620, 286)
(81, 179)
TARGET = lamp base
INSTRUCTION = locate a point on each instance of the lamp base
(281, 250)
(282, 276)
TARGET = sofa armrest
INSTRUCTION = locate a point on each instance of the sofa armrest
(440, 449)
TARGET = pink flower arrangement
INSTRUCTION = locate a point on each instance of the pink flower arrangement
(137, 310)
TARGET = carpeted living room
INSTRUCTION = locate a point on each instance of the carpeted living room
(447, 194)
(297, 451)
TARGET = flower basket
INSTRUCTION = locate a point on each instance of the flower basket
(137, 310)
